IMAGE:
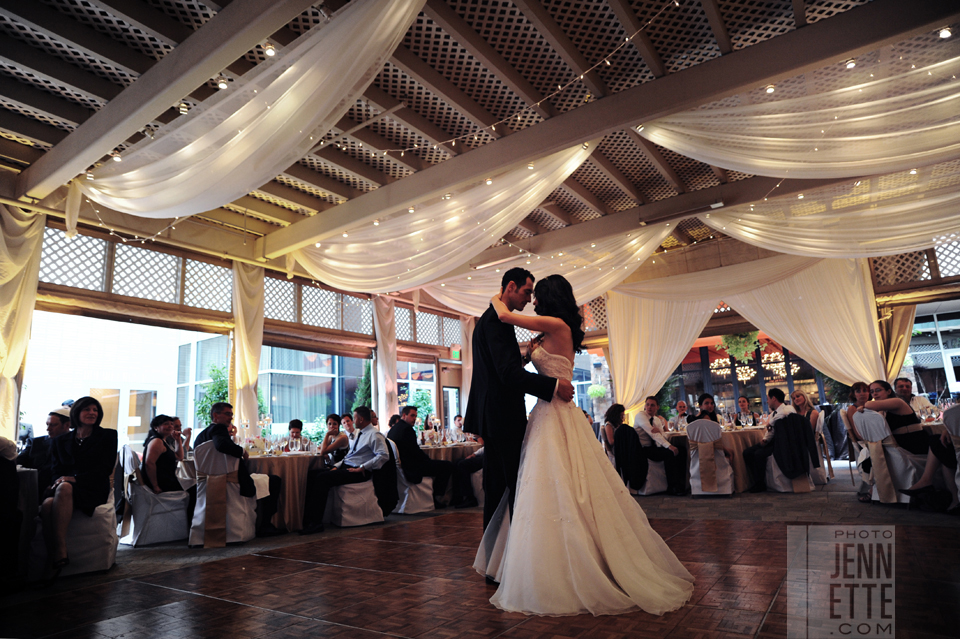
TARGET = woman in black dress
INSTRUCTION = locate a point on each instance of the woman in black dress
(900, 417)
(82, 463)
(159, 457)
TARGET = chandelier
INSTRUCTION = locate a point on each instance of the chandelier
(772, 362)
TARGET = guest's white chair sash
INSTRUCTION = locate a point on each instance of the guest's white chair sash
(215, 470)
(876, 434)
(705, 434)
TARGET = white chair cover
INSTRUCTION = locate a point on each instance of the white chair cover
(855, 450)
(656, 479)
(353, 505)
(904, 467)
(705, 430)
(241, 511)
(414, 498)
(819, 475)
(778, 482)
(149, 518)
(951, 419)
(91, 543)
(476, 480)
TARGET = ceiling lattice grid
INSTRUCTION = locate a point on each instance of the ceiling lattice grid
(635, 166)
(116, 28)
(681, 35)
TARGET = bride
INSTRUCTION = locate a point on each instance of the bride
(578, 542)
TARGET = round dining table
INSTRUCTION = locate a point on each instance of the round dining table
(736, 441)
(451, 452)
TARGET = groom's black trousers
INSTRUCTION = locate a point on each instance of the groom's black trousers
(501, 464)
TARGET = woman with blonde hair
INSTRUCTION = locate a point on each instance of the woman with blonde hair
(803, 406)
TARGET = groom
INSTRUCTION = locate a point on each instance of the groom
(496, 410)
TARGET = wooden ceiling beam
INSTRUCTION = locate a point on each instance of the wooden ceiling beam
(353, 166)
(652, 153)
(20, 154)
(238, 221)
(29, 128)
(799, 13)
(682, 236)
(614, 174)
(631, 24)
(409, 118)
(270, 212)
(558, 213)
(295, 196)
(530, 226)
(717, 25)
(720, 173)
(324, 183)
(377, 144)
(583, 194)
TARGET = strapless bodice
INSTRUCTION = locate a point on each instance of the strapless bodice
(552, 365)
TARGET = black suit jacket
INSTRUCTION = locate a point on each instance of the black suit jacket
(495, 409)
(37, 455)
(385, 483)
(217, 433)
(794, 447)
(413, 461)
(629, 459)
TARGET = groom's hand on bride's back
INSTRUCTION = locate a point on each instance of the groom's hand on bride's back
(564, 390)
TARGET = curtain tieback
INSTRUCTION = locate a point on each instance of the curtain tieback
(880, 471)
(708, 464)
(215, 515)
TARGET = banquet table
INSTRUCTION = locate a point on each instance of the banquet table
(735, 441)
(452, 452)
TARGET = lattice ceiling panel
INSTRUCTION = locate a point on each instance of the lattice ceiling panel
(442, 52)
(277, 201)
(572, 205)
(309, 189)
(752, 21)
(508, 31)
(65, 52)
(694, 174)
(79, 262)
(208, 286)
(357, 315)
(696, 229)
(819, 9)
(320, 307)
(382, 163)
(670, 242)
(545, 220)
(39, 116)
(253, 215)
(19, 139)
(626, 154)
(595, 30)
(521, 233)
(96, 18)
(335, 172)
(399, 136)
(191, 13)
(44, 84)
(602, 186)
(948, 259)
(145, 274)
(944, 175)
(891, 270)
(278, 299)
(736, 176)
(681, 35)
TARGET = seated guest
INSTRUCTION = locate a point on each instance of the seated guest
(37, 453)
(219, 432)
(463, 469)
(903, 422)
(346, 420)
(335, 444)
(374, 419)
(181, 436)
(629, 459)
(743, 408)
(393, 420)
(367, 454)
(859, 396)
(804, 407)
(159, 458)
(941, 457)
(650, 428)
(82, 464)
(295, 431)
(904, 390)
(679, 422)
(414, 463)
(756, 456)
(611, 420)
(708, 408)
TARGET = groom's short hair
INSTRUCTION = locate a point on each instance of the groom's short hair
(518, 276)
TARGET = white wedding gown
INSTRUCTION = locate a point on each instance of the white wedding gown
(578, 541)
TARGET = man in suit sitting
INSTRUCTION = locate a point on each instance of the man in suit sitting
(755, 456)
(221, 417)
(650, 428)
(368, 453)
(414, 463)
(37, 453)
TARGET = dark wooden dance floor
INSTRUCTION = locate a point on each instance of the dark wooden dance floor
(414, 580)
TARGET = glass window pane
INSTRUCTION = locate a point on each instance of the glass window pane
(183, 364)
(287, 359)
(302, 397)
(213, 352)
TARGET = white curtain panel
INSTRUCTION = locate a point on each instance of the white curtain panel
(268, 119)
(894, 111)
(385, 326)
(21, 238)
(467, 324)
(826, 314)
(648, 340)
(592, 269)
(882, 215)
(410, 249)
(247, 338)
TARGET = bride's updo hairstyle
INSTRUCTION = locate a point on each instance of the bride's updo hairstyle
(555, 299)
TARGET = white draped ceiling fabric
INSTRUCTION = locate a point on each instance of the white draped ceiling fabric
(248, 304)
(268, 119)
(410, 249)
(881, 215)
(895, 110)
(592, 269)
(384, 322)
(823, 310)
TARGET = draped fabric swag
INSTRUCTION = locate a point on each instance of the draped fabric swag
(896, 328)
(412, 248)
(467, 324)
(880, 117)
(823, 310)
(248, 304)
(21, 237)
(591, 269)
(880, 215)
(385, 327)
(267, 120)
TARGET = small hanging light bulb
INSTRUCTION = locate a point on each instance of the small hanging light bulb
(770, 88)
(489, 181)
(183, 108)
(945, 33)
(222, 82)
(269, 50)
(851, 63)
(530, 166)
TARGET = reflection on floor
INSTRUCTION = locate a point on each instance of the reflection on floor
(412, 579)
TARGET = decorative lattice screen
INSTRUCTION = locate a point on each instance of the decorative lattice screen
(523, 335)
(451, 331)
(595, 315)
(403, 318)
(208, 286)
(948, 259)
(428, 328)
(320, 307)
(78, 262)
(146, 274)
(357, 315)
(890, 270)
(279, 299)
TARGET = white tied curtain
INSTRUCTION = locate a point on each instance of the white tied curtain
(881, 215)
(410, 249)
(592, 269)
(896, 110)
(467, 324)
(384, 322)
(267, 120)
(21, 237)
(823, 310)
(247, 338)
